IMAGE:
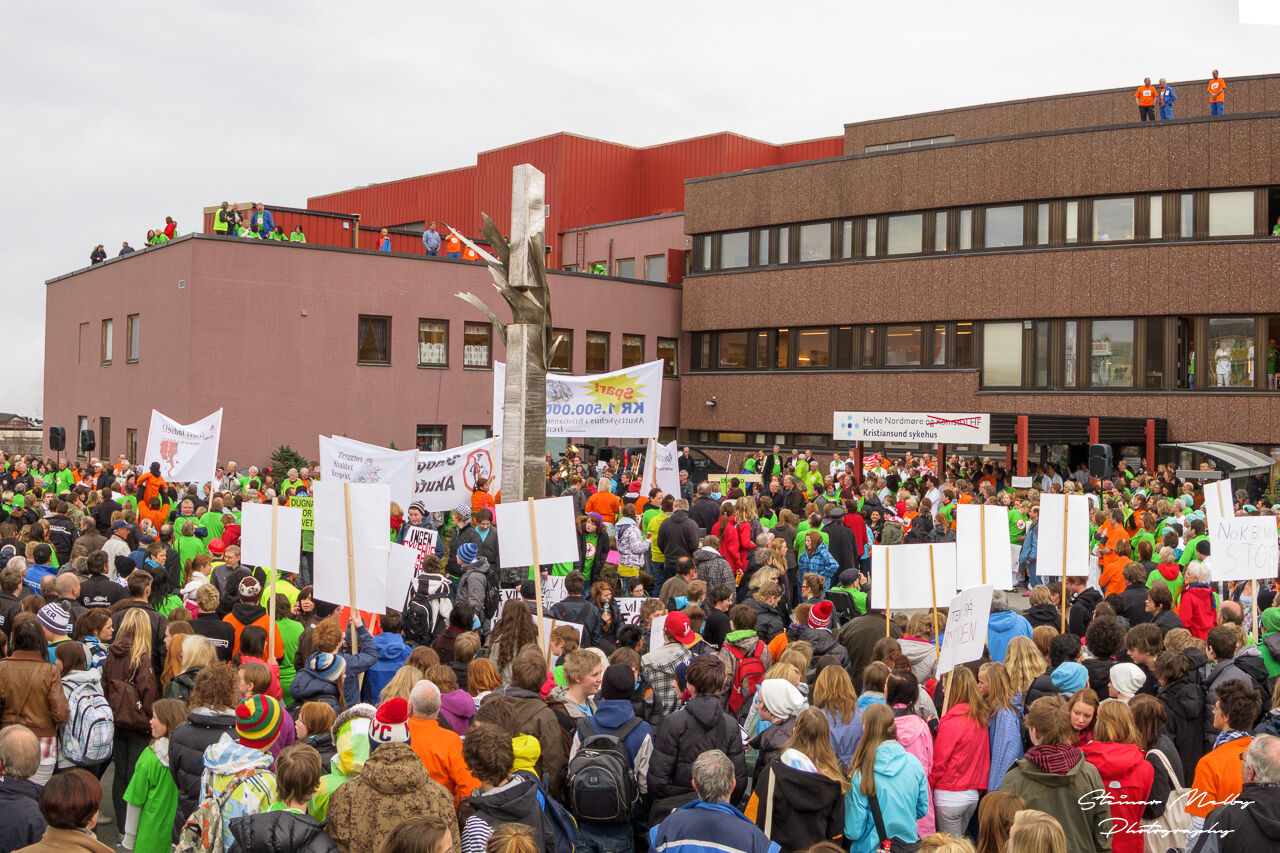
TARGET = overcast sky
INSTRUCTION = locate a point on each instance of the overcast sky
(118, 114)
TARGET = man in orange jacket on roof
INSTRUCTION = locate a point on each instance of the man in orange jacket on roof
(1146, 98)
(1217, 90)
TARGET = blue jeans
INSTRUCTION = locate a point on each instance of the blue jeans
(1216, 108)
(603, 838)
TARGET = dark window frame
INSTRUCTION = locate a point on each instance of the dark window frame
(434, 366)
(360, 320)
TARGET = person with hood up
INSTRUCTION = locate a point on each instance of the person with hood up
(780, 703)
(393, 652)
(712, 566)
(817, 632)
(286, 827)
(248, 611)
(1198, 606)
(242, 766)
(1054, 777)
(505, 795)
(801, 795)
(350, 736)
(1126, 775)
(392, 787)
(962, 754)
(1170, 572)
(884, 770)
(1004, 625)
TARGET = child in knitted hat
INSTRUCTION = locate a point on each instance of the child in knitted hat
(243, 765)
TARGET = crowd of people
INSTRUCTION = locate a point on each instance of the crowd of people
(1159, 98)
(745, 698)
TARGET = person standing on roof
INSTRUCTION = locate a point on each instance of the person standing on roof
(1146, 98)
(453, 246)
(1167, 97)
(1217, 90)
(431, 240)
(384, 243)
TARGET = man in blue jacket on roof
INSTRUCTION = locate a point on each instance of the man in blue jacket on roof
(709, 824)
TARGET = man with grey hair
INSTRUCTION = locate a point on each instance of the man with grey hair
(709, 824)
(439, 748)
(1003, 625)
(1252, 822)
(19, 760)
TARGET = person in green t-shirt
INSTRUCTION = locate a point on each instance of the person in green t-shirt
(152, 794)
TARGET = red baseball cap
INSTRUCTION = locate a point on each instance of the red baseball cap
(677, 625)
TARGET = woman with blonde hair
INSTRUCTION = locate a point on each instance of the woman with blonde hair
(401, 683)
(1024, 664)
(131, 686)
(801, 795)
(1035, 831)
(195, 652)
(1004, 724)
(833, 694)
(962, 754)
(884, 770)
(1042, 636)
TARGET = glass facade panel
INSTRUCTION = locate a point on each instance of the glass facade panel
(1111, 354)
(1071, 232)
(733, 349)
(762, 247)
(762, 350)
(902, 345)
(846, 238)
(906, 234)
(1070, 350)
(1156, 228)
(1040, 365)
(870, 341)
(1186, 216)
(704, 253)
(784, 245)
(813, 348)
(734, 250)
(1231, 352)
(1153, 353)
(783, 359)
(939, 345)
(1112, 219)
(1002, 355)
(1003, 226)
(940, 231)
(815, 242)
(1042, 224)
(965, 239)
(1231, 214)
(869, 243)
(964, 345)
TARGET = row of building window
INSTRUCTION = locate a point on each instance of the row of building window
(1063, 222)
(133, 345)
(655, 267)
(893, 346)
(373, 338)
(435, 437)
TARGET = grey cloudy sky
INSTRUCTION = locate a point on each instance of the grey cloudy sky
(118, 114)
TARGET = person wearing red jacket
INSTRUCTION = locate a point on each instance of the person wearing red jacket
(961, 755)
(734, 533)
(1126, 775)
(1198, 607)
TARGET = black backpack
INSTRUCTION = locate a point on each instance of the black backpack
(601, 782)
(426, 612)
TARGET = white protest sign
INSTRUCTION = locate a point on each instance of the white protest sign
(403, 564)
(549, 625)
(1062, 537)
(662, 467)
(982, 546)
(370, 512)
(505, 595)
(557, 537)
(255, 536)
(622, 404)
(966, 631)
(346, 460)
(1219, 501)
(445, 480)
(553, 591)
(422, 541)
(187, 453)
(330, 568)
(370, 527)
(900, 574)
(629, 609)
(657, 633)
(1243, 548)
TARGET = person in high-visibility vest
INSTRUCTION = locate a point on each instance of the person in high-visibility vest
(384, 245)
(1146, 98)
(221, 221)
(1217, 89)
(1167, 97)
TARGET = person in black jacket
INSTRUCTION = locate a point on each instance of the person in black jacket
(705, 511)
(103, 511)
(699, 726)
(62, 532)
(1132, 603)
(677, 537)
(1183, 702)
(96, 589)
(10, 595)
(1104, 640)
(1084, 599)
(770, 621)
(840, 539)
(23, 824)
(213, 700)
(139, 588)
(1160, 607)
(806, 807)
(574, 608)
(209, 624)
(290, 829)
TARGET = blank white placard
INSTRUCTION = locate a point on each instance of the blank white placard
(901, 572)
(370, 512)
(331, 579)
(982, 559)
(255, 536)
(1219, 501)
(1063, 515)
(557, 537)
(402, 568)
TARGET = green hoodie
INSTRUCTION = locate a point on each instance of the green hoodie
(1170, 574)
(1270, 625)
(351, 746)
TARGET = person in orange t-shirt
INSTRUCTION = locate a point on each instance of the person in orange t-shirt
(1217, 90)
(1113, 554)
(604, 502)
(1217, 775)
(1146, 98)
(452, 246)
(439, 748)
(150, 485)
(469, 254)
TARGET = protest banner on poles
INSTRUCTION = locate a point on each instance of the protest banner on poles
(346, 460)
(622, 404)
(187, 453)
(445, 480)
(1062, 541)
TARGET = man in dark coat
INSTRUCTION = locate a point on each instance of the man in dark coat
(23, 824)
(859, 635)
(705, 511)
(840, 540)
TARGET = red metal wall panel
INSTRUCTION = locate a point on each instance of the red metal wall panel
(813, 149)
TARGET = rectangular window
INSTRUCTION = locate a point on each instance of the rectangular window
(902, 346)
(762, 350)
(703, 350)
(655, 268)
(104, 437)
(906, 234)
(1002, 355)
(964, 345)
(1072, 225)
(632, 350)
(477, 345)
(703, 252)
(1003, 226)
(782, 353)
(869, 244)
(784, 245)
(626, 267)
(1186, 216)
(1153, 360)
(562, 357)
(131, 444)
(844, 347)
(734, 250)
(939, 345)
(475, 433)
(815, 242)
(133, 343)
(965, 241)
(1155, 230)
(1042, 224)
(870, 343)
(731, 438)
(1231, 214)
(1040, 353)
(940, 231)
(1231, 352)
(433, 343)
(374, 342)
(813, 348)
(846, 238)
(107, 329)
(430, 438)
(597, 352)
(762, 247)
(733, 350)
(1070, 351)
(84, 425)
(1112, 219)
(1111, 354)
(667, 352)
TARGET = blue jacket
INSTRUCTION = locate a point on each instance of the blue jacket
(1001, 629)
(1005, 734)
(262, 223)
(392, 654)
(819, 562)
(702, 827)
(1167, 96)
(902, 790)
(36, 573)
(359, 663)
